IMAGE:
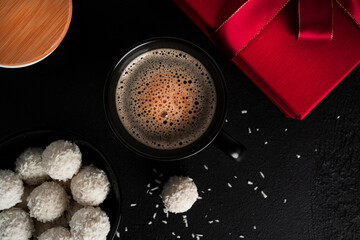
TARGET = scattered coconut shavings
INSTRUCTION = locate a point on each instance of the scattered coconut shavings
(209, 189)
(133, 205)
(117, 234)
(255, 188)
(250, 183)
(285, 129)
(265, 143)
(298, 156)
(154, 216)
(155, 171)
(264, 195)
(217, 220)
(157, 206)
(235, 176)
(157, 181)
(338, 117)
(210, 222)
(316, 149)
(153, 189)
(126, 229)
(150, 193)
(199, 197)
(148, 185)
(150, 222)
(178, 236)
(262, 174)
(226, 120)
(165, 222)
(198, 236)
(185, 221)
(241, 236)
(285, 200)
(244, 111)
(173, 233)
(193, 235)
(229, 185)
(254, 227)
(257, 129)
(202, 192)
(249, 130)
(206, 167)
(166, 212)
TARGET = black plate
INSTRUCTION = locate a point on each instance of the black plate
(11, 147)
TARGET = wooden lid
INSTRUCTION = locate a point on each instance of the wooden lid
(31, 29)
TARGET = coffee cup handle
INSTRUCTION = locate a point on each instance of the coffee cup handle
(230, 146)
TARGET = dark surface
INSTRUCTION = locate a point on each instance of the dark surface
(321, 186)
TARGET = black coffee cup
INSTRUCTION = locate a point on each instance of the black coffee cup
(213, 134)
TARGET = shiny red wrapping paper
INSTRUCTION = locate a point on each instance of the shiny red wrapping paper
(295, 71)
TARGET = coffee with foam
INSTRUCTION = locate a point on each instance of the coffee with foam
(165, 98)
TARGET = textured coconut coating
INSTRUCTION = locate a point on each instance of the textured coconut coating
(11, 189)
(61, 160)
(29, 166)
(15, 224)
(47, 202)
(179, 194)
(56, 233)
(90, 186)
(90, 223)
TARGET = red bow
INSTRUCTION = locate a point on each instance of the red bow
(315, 18)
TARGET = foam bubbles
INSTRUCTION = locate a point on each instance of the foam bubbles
(165, 98)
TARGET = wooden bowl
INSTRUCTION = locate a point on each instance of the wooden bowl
(31, 29)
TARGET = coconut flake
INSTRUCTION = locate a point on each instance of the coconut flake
(153, 189)
(264, 195)
(185, 220)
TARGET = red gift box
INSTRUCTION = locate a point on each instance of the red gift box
(296, 52)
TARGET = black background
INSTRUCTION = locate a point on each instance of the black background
(321, 184)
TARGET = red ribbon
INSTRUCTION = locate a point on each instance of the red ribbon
(315, 21)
